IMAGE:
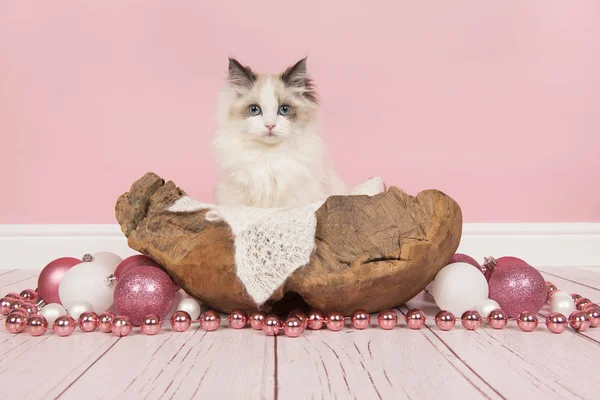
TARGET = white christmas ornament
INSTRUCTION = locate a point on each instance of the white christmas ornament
(79, 308)
(458, 287)
(485, 307)
(191, 306)
(51, 312)
(563, 303)
(104, 257)
(86, 282)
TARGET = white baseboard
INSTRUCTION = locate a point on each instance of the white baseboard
(542, 245)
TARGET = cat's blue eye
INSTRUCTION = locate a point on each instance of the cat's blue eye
(254, 109)
(284, 110)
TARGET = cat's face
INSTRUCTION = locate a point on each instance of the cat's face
(269, 108)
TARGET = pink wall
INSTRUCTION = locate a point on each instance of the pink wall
(496, 103)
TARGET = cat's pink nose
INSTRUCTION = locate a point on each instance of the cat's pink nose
(270, 127)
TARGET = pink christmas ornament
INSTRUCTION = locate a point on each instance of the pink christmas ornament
(237, 319)
(582, 303)
(210, 320)
(64, 325)
(516, 287)
(88, 321)
(527, 321)
(387, 319)
(445, 320)
(6, 305)
(257, 320)
(335, 321)
(315, 320)
(594, 315)
(415, 319)
(105, 321)
(29, 309)
(272, 325)
(15, 322)
(13, 295)
(36, 325)
(471, 320)
(151, 324)
(50, 277)
(142, 291)
(575, 297)
(557, 323)
(29, 295)
(292, 327)
(579, 321)
(360, 319)
(121, 326)
(497, 319)
(180, 321)
(550, 289)
(301, 316)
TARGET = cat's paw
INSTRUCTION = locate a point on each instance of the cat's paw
(187, 204)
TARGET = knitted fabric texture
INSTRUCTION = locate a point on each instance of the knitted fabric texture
(270, 243)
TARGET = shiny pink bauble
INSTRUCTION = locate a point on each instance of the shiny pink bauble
(516, 287)
(301, 316)
(415, 318)
(594, 314)
(210, 320)
(471, 320)
(64, 325)
(121, 326)
(29, 295)
(180, 321)
(557, 323)
(237, 319)
(29, 308)
(50, 278)
(445, 320)
(88, 321)
(292, 327)
(36, 325)
(458, 257)
(272, 325)
(151, 324)
(16, 304)
(105, 321)
(497, 319)
(335, 321)
(6, 305)
(527, 321)
(142, 291)
(579, 321)
(387, 319)
(576, 297)
(15, 322)
(581, 304)
(14, 296)
(360, 319)
(316, 320)
(550, 290)
(257, 320)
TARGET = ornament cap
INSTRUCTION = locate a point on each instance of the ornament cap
(490, 263)
(87, 258)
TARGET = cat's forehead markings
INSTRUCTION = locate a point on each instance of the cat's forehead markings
(268, 94)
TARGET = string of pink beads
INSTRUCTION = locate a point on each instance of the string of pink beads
(22, 315)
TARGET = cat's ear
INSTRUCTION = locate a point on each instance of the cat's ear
(297, 78)
(240, 77)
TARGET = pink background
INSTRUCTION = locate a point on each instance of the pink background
(495, 103)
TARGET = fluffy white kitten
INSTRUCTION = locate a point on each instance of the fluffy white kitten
(267, 143)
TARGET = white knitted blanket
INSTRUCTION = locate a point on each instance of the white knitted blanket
(270, 243)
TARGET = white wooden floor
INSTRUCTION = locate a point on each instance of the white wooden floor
(370, 364)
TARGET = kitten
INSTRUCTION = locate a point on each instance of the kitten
(267, 143)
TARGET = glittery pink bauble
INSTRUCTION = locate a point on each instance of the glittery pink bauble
(527, 321)
(210, 320)
(15, 322)
(272, 325)
(50, 278)
(105, 321)
(237, 319)
(497, 319)
(557, 323)
(315, 320)
(180, 321)
(360, 319)
(301, 316)
(471, 320)
(292, 327)
(335, 321)
(29, 295)
(132, 262)
(88, 321)
(387, 319)
(142, 291)
(36, 325)
(64, 325)
(579, 321)
(517, 287)
(445, 320)
(121, 326)
(415, 319)
(151, 324)
(257, 320)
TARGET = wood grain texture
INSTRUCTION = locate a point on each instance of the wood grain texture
(371, 252)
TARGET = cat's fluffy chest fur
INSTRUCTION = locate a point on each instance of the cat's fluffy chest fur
(270, 159)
